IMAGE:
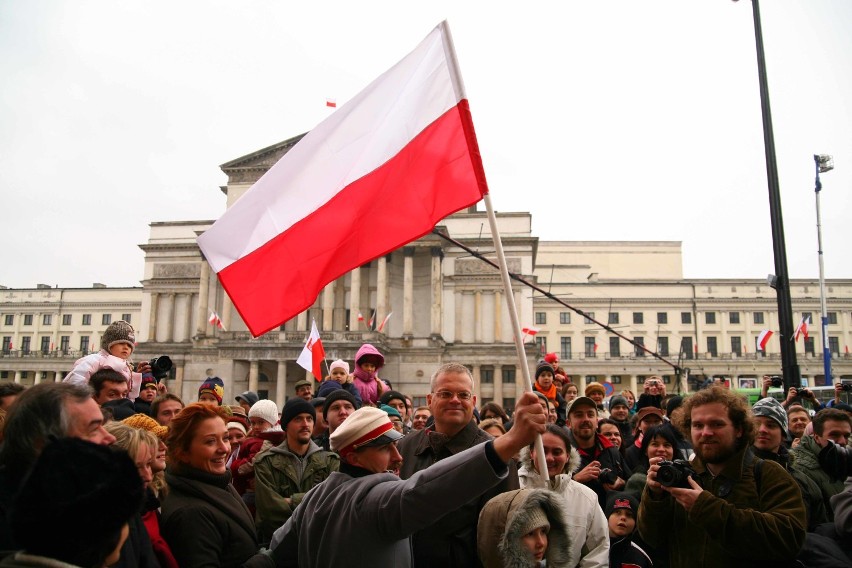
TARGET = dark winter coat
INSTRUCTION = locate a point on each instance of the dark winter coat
(608, 456)
(624, 553)
(806, 456)
(810, 491)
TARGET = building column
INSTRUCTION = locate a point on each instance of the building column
(634, 388)
(458, 316)
(254, 371)
(203, 299)
(477, 381)
(354, 299)
(281, 384)
(381, 289)
(152, 322)
(178, 386)
(408, 291)
(227, 310)
(437, 291)
(37, 375)
(498, 316)
(58, 376)
(170, 318)
(477, 316)
(302, 321)
(328, 307)
(498, 384)
(17, 376)
(188, 317)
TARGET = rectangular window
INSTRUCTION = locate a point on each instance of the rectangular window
(564, 317)
(7, 343)
(734, 317)
(807, 315)
(640, 342)
(126, 317)
(509, 404)
(590, 346)
(25, 344)
(758, 317)
(87, 319)
(540, 318)
(508, 376)
(486, 376)
(712, 347)
(46, 319)
(84, 344)
(65, 343)
(612, 318)
(834, 345)
(66, 319)
(662, 317)
(45, 345)
(686, 317)
(541, 342)
(832, 318)
(9, 319)
(737, 345)
(564, 347)
(106, 319)
(615, 346)
(663, 346)
(28, 319)
(809, 345)
(710, 317)
(638, 317)
(588, 320)
(686, 347)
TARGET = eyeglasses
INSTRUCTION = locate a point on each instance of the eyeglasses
(463, 396)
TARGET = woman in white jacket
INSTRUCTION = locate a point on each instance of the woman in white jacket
(584, 518)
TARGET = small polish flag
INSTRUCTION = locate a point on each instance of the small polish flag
(529, 330)
(385, 321)
(360, 316)
(312, 356)
(763, 339)
(847, 349)
(332, 103)
(596, 347)
(372, 319)
(215, 320)
(802, 329)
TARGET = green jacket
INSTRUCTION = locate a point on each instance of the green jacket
(806, 456)
(280, 475)
(730, 524)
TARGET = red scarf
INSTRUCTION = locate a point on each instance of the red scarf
(549, 393)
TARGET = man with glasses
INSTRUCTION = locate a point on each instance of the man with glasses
(452, 540)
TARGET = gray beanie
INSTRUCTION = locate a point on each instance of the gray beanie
(771, 408)
(534, 519)
(618, 400)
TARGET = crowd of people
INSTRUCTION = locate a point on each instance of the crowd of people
(108, 468)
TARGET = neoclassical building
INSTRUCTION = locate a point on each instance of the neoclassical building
(442, 304)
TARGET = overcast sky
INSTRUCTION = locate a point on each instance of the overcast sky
(620, 120)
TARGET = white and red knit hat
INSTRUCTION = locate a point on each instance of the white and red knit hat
(366, 427)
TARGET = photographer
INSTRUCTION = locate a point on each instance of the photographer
(724, 517)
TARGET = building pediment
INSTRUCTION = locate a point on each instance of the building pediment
(250, 167)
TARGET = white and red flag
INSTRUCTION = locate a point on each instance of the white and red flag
(372, 319)
(312, 356)
(529, 331)
(802, 328)
(385, 321)
(216, 321)
(360, 316)
(379, 172)
(763, 339)
(331, 103)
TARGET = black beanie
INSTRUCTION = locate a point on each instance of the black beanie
(387, 396)
(338, 394)
(294, 407)
(542, 367)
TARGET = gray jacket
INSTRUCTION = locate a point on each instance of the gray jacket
(360, 519)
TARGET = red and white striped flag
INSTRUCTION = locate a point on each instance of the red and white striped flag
(332, 103)
(763, 339)
(402, 153)
(802, 328)
(216, 321)
(360, 316)
(385, 321)
(372, 319)
(313, 354)
(529, 331)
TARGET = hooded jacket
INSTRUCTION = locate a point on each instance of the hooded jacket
(502, 521)
(585, 523)
(806, 456)
(366, 382)
(279, 475)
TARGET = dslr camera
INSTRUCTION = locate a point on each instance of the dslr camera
(846, 387)
(161, 367)
(675, 473)
(777, 381)
(835, 461)
(608, 476)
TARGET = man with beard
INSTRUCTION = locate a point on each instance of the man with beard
(725, 517)
(602, 468)
(286, 472)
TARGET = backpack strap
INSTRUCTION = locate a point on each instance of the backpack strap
(757, 467)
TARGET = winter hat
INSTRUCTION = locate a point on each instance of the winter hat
(266, 410)
(366, 427)
(551, 358)
(535, 518)
(214, 386)
(595, 387)
(338, 394)
(148, 380)
(621, 500)
(118, 331)
(640, 416)
(388, 396)
(542, 367)
(339, 364)
(249, 397)
(294, 407)
(120, 408)
(238, 425)
(95, 487)
(238, 414)
(618, 400)
(145, 422)
(771, 408)
(390, 410)
(300, 384)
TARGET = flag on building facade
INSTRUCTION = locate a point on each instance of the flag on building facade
(763, 339)
(313, 354)
(385, 321)
(372, 319)
(360, 316)
(216, 321)
(531, 331)
(378, 173)
(802, 328)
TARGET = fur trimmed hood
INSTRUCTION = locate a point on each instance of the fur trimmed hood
(530, 477)
(501, 521)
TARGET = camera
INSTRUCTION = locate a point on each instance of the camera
(608, 476)
(160, 367)
(777, 381)
(675, 473)
(805, 393)
(835, 461)
(846, 387)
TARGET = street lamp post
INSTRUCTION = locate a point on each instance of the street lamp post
(823, 163)
(789, 366)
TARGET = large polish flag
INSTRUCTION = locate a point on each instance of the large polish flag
(379, 172)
